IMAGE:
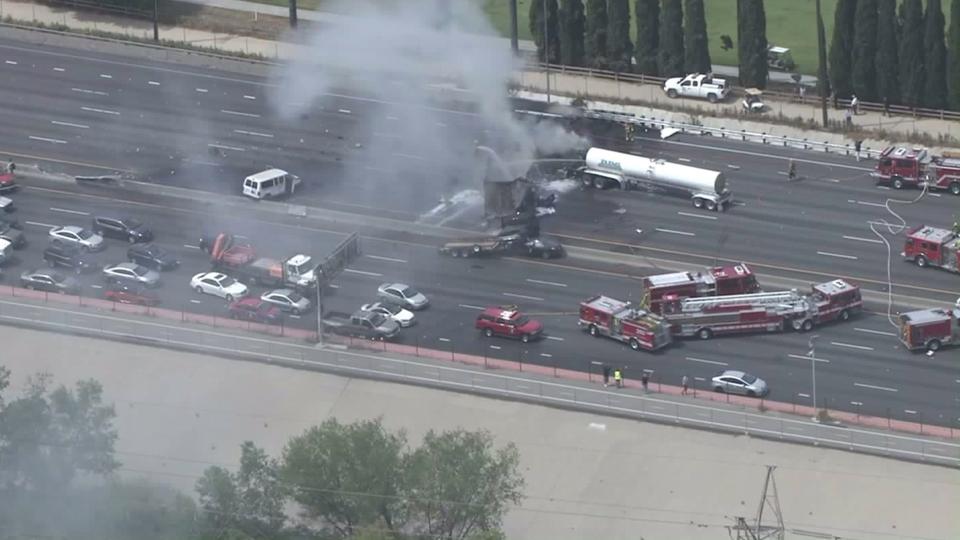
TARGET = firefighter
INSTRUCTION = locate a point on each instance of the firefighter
(792, 171)
(618, 377)
(11, 166)
(628, 132)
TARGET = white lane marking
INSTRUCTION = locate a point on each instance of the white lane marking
(536, 298)
(388, 259)
(864, 203)
(441, 124)
(191, 246)
(362, 273)
(495, 347)
(671, 231)
(253, 133)
(59, 69)
(202, 90)
(692, 359)
(392, 118)
(40, 224)
(11, 62)
(249, 97)
(734, 167)
(554, 283)
(683, 159)
(701, 216)
(805, 357)
(292, 316)
(877, 332)
(69, 124)
(68, 211)
(238, 113)
(546, 355)
(833, 180)
(153, 83)
(803, 395)
(469, 306)
(96, 286)
(225, 147)
(47, 139)
(443, 339)
(555, 338)
(195, 301)
(851, 346)
(409, 156)
(597, 426)
(885, 188)
(838, 255)
(859, 239)
(344, 111)
(910, 411)
(101, 111)
(94, 92)
(884, 388)
(105, 76)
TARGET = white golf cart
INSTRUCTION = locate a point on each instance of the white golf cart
(752, 102)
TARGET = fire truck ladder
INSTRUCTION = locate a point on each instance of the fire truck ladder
(785, 298)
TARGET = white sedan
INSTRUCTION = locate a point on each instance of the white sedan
(218, 284)
(77, 236)
(287, 300)
(402, 316)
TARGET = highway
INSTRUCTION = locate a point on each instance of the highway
(84, 112)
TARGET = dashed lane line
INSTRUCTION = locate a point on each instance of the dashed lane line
(523, 296)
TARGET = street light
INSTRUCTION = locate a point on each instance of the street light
(812, 353)
(546, 47)
(319, 314)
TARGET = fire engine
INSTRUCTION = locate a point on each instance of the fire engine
(930, 246)
(902, 167)
(766, 311)
(720, 280)
(615, 319)
(929, 329)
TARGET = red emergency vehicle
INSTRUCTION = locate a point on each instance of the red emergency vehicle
(615, 319)
(720, 280)
(7, 181)
(904, 167)
(762, 312)
(930, 246)
(930, 329)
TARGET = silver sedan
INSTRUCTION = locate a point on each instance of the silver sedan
(739, 382)
(287, 300)
(131, 272)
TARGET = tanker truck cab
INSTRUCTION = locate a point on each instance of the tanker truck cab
(269, 184)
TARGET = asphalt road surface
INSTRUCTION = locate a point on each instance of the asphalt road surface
(85, 112)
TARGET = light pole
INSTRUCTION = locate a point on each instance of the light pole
(156, 20)
(812, 353)
(546, 46)
(319, 314)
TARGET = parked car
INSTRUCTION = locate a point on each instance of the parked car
(254, 309)
(403, 295)
(739, 382)
(71, 234)
(131, 293)
(217, 284)
(152, 256)
(287, 300)
(67, 256)
(131, 272)
(507, 321)
(50, 281)
(126, 229)
(401, 316)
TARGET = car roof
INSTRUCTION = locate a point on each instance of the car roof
(285, 292)
(70, 228)
(267, 174)
(733, 373)
(213, 275)
(397, 285)
(128, 265)
(502, 313)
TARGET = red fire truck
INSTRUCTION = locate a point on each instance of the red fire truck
(720, 280)
(615, 319)
(930, 329)
(902, 167)
(767, 311)
(930, 246)
(7, 181)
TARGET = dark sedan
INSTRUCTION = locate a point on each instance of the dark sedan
(152, 256)
(49, 281)
(126, 229)
(545, 247)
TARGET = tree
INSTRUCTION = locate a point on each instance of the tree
(619, 47)
(552, 30)
(953, 57)
(695, 43)
(935, 57)
(752, 48)
(887, 65)
(841, 47)
(462, 486)
(911, 57)
(865, 50)
(670, 57)
(596, 35)
(648, 36)
(823, 79)
(572, 25)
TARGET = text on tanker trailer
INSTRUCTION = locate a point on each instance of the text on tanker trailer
(706, 188)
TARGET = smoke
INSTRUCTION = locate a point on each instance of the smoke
(411, 62)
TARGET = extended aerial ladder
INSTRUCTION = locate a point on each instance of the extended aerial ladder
(780, 300)
(706, 316)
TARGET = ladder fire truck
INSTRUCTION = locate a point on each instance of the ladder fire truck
(615, 319)
(766, 311)
(720, 280)
(930, 246)
(929, 329)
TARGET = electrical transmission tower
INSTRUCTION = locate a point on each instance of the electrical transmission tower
(769, 499)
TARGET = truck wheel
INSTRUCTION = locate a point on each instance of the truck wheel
(698, 202)
(712, 98)
(525, 338)
(671, 93)
(634, 344)
(711, 205)
(488, 332)
(934, 345)
(704, 333)
(594, 331)
(955, 188)
(921, 261)
(476, 250)
(806, 326)
(599, 183)
(897, 182)
(844, 315)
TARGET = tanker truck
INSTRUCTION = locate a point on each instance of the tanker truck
(606, 168)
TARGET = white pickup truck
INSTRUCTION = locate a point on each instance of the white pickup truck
(697, 85)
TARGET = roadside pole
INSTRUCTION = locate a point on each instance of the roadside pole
(319, 313)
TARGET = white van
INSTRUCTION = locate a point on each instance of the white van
(270, 183)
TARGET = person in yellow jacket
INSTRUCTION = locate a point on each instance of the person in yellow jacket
(618, 378)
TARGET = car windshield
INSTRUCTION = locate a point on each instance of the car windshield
(140, 270)
(132, 223)
(84, 234)
(377, 319)
(228, 282)
(391, 308)
(408, 292)
(749, 379)
(521, 320)
(304, 267)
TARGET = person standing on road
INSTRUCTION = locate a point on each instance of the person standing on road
(11, 166)
(606, 376)
(618, 377)
(791, 171)
(645, 379)
(856, 146)
(684, 385)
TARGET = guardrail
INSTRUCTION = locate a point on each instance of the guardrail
(117, 7)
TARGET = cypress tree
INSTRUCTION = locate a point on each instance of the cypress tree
(596, 36)
(841, 47)
(865, 50)
(888, 80)
(648, 36)
(823, 78)
(572, 22)
(935, 55)
(619, 47)
(553, 29)
(752, 49)
(953, 57)
(912, 65)
(670, 56)
(695, 44)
